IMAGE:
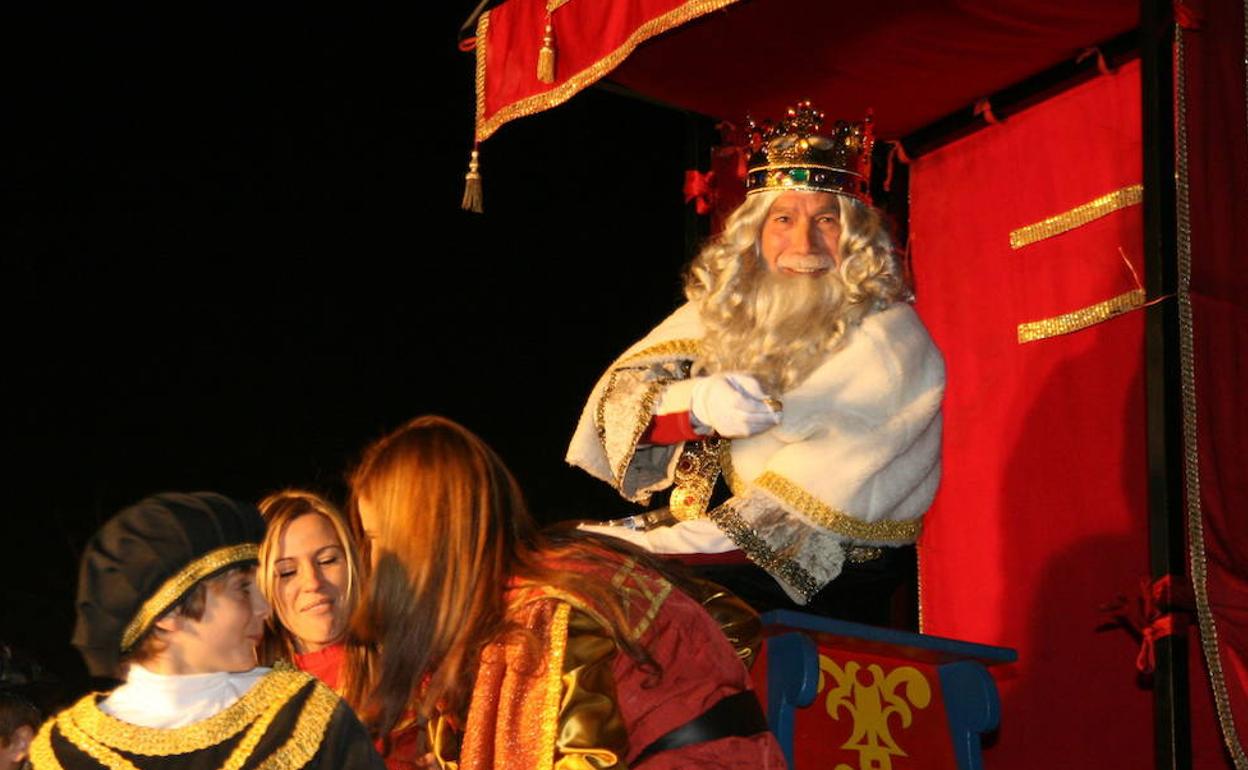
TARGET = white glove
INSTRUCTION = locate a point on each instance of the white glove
(732, 404)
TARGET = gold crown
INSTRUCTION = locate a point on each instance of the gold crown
(795, 155)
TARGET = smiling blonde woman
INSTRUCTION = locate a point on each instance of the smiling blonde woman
(310, 573)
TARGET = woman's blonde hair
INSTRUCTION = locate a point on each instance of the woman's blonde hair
(452, 534)
(724, 276)
(279, 510)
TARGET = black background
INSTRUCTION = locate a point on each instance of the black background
(236, 255)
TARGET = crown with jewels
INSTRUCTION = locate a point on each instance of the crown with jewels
(795, 154)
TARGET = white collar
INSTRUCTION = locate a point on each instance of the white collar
(148, 699)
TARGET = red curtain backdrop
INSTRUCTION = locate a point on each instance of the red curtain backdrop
(1216, 123)
(1041, 518)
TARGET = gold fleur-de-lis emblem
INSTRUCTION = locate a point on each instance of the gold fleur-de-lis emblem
(872, 697)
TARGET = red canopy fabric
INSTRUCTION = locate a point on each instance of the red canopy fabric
(590, 39)
(913, 61)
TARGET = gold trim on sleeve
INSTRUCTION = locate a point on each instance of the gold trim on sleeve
(761, 553)
(173, 588)
(645, 413)
(1091, 315)
(886, 532)
(666, 350)
(1080, 215)
(1191, 447)
(567, 89)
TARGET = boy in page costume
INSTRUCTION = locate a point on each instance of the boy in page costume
(167, 600)
(797, 370)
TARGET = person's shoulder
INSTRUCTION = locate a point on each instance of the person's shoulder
(285, 684)
(675, 337)
(42, 756)
(897, 333)
(898, 319)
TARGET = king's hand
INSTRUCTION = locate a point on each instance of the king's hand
(732, 405)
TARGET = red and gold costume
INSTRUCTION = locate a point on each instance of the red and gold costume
(561, 694)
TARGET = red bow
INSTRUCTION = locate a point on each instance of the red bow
(1159, 611)
(1160, 598)
(700, 188)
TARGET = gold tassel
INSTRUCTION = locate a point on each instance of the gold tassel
(546, 56)
(472, 186)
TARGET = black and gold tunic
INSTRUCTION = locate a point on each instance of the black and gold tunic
(287, 720)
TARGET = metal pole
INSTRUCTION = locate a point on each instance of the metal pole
(1171, 722)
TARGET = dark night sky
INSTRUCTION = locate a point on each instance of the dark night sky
(234, 255)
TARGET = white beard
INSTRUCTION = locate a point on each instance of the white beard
(785, 328)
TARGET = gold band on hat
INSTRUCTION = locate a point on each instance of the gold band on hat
(173, 588)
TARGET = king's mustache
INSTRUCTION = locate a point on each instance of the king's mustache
(805, 262)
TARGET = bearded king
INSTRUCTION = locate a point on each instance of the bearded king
(797, 371)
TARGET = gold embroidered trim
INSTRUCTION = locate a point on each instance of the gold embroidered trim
(1191, 452)
(736, 484)
(645, 413)
(761, 553)
(97, 751)
(173, 588)
(308, 733)
(600, 416)
(557, 645)
(918, 582)
(566, 90)
(1091, 211)
(41, 754)
(1080, 319)
(837, 521)
(554, 5)
(696, 473)
(627, 574)
(109, 758)
(277, 687)
(483, 29)
(656, 603)
(679, 348)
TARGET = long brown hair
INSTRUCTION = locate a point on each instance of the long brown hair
(452, 531)
(279, 510)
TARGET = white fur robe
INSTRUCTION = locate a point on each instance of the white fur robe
(855, 460)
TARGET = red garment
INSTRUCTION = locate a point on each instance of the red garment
(326, 664)
(700, 667)
(670, 429)
(524, 715)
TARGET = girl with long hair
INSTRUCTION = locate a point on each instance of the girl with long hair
(520, 648)
(310, 573)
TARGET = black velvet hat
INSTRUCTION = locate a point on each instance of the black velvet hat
(146, 558)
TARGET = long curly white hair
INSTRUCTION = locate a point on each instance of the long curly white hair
(777, 328)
